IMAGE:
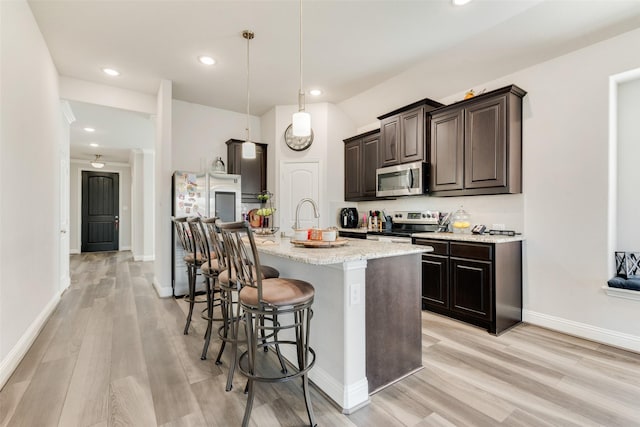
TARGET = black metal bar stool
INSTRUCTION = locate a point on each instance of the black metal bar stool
(269, 306)
(230, 285)
(193, 259)
(209, 244)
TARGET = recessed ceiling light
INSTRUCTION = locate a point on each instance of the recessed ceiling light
(111, 72)
(88, 129)
(206, 60)
(460, 2)
(94, 144)
(315, 92)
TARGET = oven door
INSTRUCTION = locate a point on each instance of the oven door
(401, 180)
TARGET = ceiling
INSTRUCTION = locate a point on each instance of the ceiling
(349, 45)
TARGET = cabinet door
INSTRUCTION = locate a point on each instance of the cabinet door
(253, 171)
(486, 144)
(352, 170)
(446, 145)
(471, 288)
(389, 137)
(412, 136)
(435, 281)
(370, 156)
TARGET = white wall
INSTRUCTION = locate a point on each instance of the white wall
(75, 202)
(29, 176)
(142, 194)
(628, 222)
(95, 93)
(565, 176)
(200, 132)
(162, 189)
(330, 126)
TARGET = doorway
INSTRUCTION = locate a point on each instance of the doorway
(100, 206)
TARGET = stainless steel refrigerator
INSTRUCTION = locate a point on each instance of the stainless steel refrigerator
(204, 195)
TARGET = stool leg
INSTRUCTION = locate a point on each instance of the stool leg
(207, 335)
(192, 295)
(252, 348)
(283, 366)
(235, 326)
(226, 318)
(303, 321)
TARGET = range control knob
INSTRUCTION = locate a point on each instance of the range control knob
(425, 215)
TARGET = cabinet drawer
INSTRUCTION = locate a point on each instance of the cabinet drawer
(439, 247)
(472, 250)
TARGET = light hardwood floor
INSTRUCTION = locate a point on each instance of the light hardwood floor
(113, 353)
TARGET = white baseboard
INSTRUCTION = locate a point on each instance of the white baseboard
(74, 251)
(583, 330)
(621, 293)
(162, 291)
(125, 248)
(144, 257)
(11, 361)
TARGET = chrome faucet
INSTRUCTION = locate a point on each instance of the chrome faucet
(296, 225)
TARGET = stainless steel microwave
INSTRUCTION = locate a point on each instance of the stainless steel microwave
(409, 179)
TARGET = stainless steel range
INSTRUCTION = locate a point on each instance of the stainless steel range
(405, 223)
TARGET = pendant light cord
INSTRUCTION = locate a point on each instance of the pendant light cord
(301, 93)
(248, 92)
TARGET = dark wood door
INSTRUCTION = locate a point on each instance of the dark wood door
(352, 170)
(435, 281)
(471, 288)
(389, 137)
(370, 156)
(486, 144)
(412, 136)
(446, 144)
(253, 171)
(100, 221)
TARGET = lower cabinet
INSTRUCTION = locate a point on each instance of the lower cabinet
(479, 283)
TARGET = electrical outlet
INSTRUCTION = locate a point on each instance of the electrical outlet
(354, 298)
(497, 226)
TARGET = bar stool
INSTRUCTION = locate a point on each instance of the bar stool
(230, 285)
(264, 302)
(209, 244)
(193, 259)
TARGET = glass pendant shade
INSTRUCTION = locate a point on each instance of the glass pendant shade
(97, 163)
(248, 150)
(301, 124)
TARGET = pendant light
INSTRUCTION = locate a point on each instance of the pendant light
(301, 121)
(97, 163)
(248, 147)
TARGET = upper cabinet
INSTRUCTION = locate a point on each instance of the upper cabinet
(253, 171)
(476, 145)
(402, 133)
(361, 159)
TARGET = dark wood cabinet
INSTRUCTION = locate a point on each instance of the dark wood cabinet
(360, 163)
(475, 146)
(253, 171)
(402, 133)
(479, 283)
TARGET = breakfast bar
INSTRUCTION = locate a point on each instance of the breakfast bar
(366, 328)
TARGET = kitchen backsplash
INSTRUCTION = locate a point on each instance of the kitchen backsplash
(507, 209)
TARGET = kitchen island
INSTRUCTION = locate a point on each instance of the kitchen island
(366, 328)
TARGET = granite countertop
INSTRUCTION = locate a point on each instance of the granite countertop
(479, 238)
(355, 249)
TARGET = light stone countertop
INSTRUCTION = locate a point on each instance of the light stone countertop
(355, 249)
(479, 238)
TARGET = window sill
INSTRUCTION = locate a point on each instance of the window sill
(622, 293)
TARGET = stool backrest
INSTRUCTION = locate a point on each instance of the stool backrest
(214, 240)
(199, 237)
(242, 254)
(184, 234)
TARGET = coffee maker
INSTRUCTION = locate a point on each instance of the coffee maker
(349, 218)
